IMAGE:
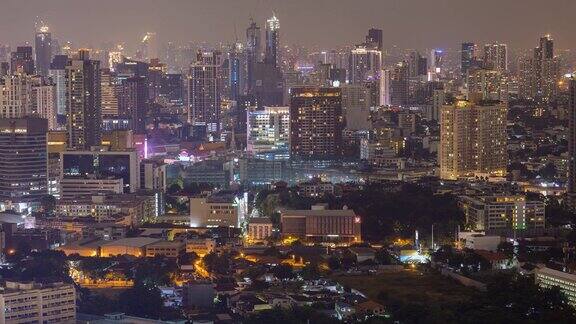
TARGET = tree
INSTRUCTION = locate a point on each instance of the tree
(310, 272)
(143, 300)
(48, 203)
(507, 248)
(283, 271)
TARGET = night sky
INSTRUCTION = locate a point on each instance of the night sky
(321, 23)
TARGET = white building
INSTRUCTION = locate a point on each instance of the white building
(547, 278)
(36, 303)
(269, 132)
(259, 228)
(213, 212)
(75, 187)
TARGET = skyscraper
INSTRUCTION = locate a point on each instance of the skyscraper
(496, 57)
(316, 123)
(149, 47)
(487, 84)
(109, 92)
(253, 53)
(44, 100)
(539, 74)
(468, 58)
(83, 101)
(365, 64)
(268, 133)
(23, 161)
(273, 41)
(375, 37)
(399, 84)
(43, 48)
(22, 60)
(236, 77)
(204, 91)
(473, 139)
(57, 73)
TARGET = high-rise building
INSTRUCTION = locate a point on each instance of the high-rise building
(417, 65)
(365, 64)
(268, 133)
(83, 101)
(487, 84)
(375, 37)
(23, 161)
(57, 73)
(437, 58)
(236, 74)
(253, 53)
(473, 139)
(356, 102)
(133, 101)
(468, 58)
(44, 101)
(272, 55)
(22, 60)
(204, 91)
(399, 84)
(496, 57)
(316, 123)
(539, 74)
(43, 48)
(109, 92)
(15, 96)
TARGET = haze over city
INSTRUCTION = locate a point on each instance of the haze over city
(315, 23)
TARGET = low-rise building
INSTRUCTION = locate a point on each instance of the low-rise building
(76, 187)
(200, 246)
(503, 212)
(37, 303)
(170, 249)
(214, 211)
(135, 246)
(137, 208)
(259, 228)
(315, 188)
(547, 278)
(323, 225)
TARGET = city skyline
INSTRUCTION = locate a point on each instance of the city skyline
(321, 24)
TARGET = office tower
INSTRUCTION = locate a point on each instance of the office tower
(109, 92)
(572, 145)
(437, 58)
(57, 73)
(365, 64)
(83, 101)
(468, 58)
(236, 75)
(496, 57)
(23, 161)
(399, 84)
(269, 87)
(385, 79)
(268, 133)
(316, 123)
(44, 100)
(172, 89)
(253, 53)
(244, 105)
(15, 96)
(375, 37)
(356, 103)
(43, 48)
(487, 84)
(133, 92)
(149, 47)
(22, 60)
(156, 72)
(417, 65)
(133, 101)
(4, 69)
(204, 91)
(473, 139)
(272, 55)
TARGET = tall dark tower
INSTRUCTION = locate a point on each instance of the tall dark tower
(468, 57)
(83, 101)
(273, 41)
(253, 53)
(43, 50)
(375, 37)
(22, 60)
